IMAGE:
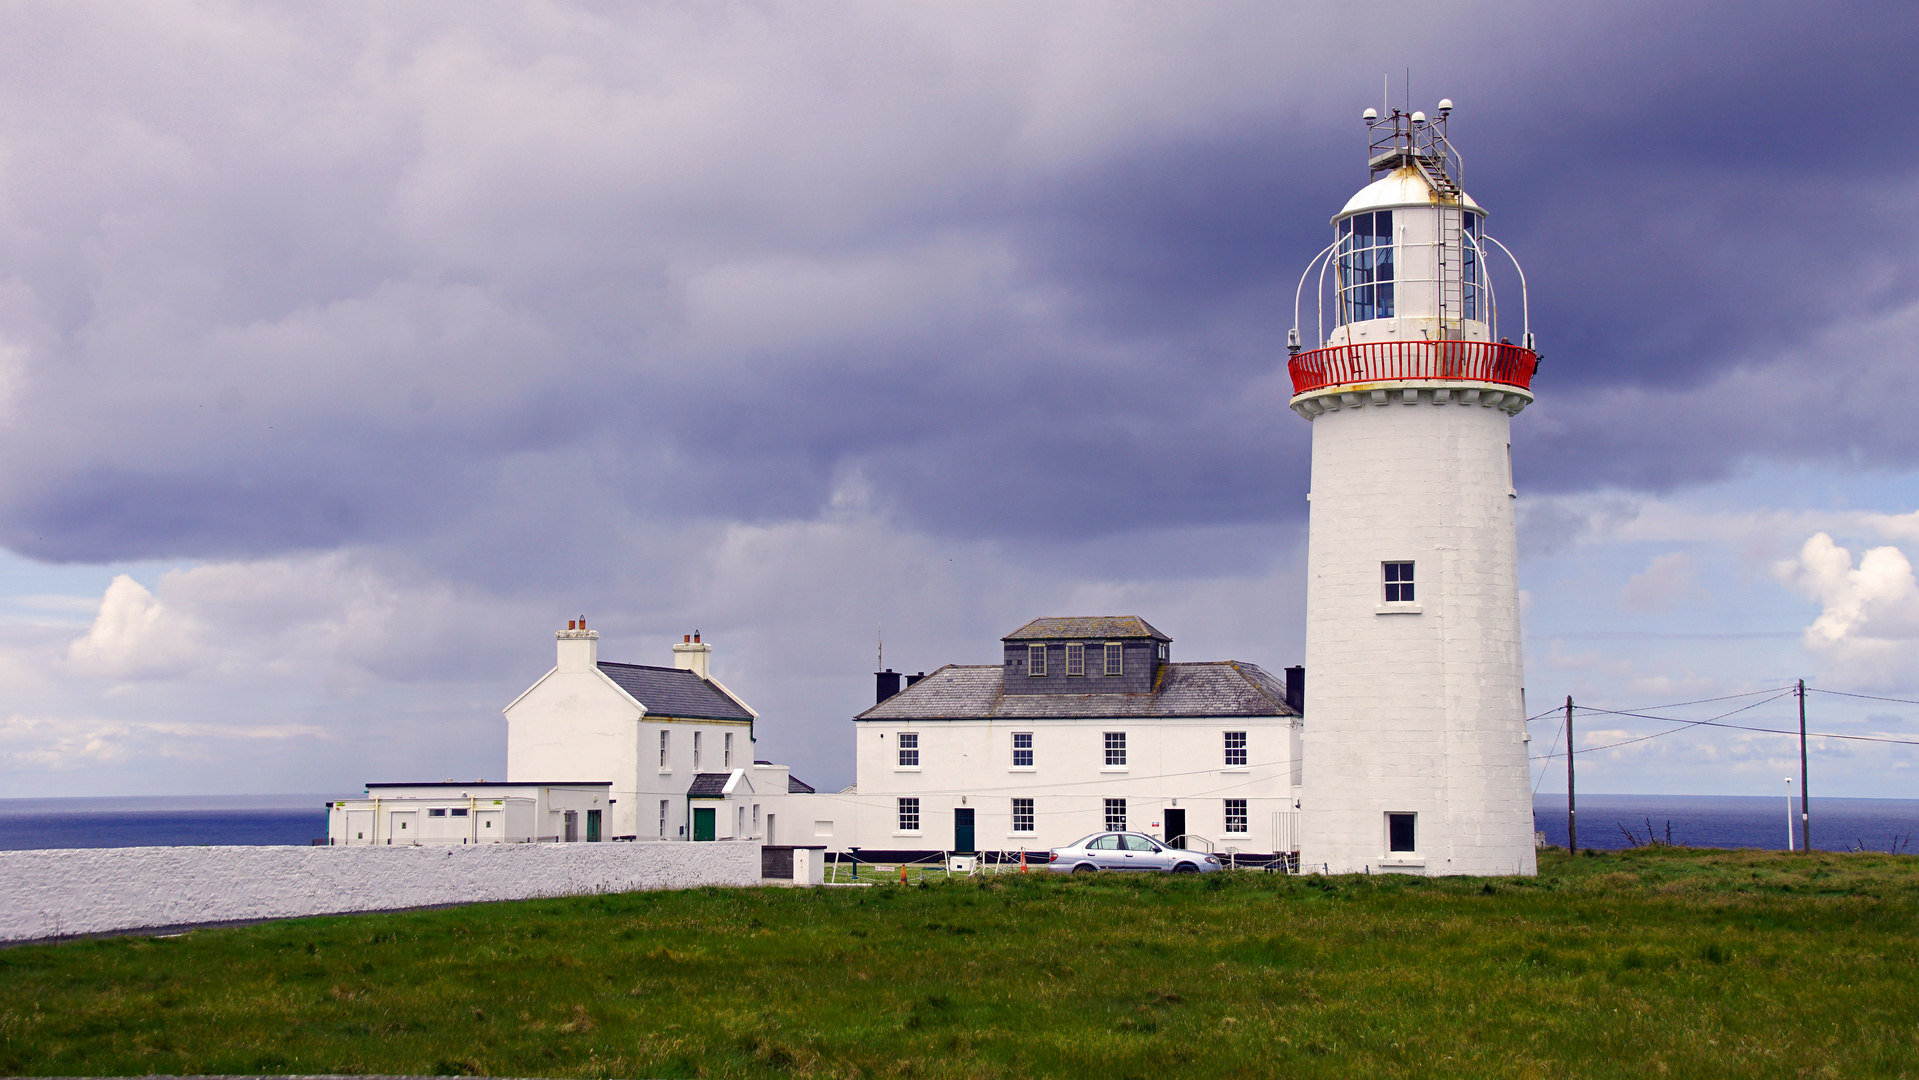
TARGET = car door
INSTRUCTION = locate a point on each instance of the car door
(1142, 853)
(1106, 853)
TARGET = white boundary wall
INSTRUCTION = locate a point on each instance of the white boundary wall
(96, 890)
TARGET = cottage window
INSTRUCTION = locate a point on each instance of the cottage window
(664, 804)
(1115, 749)
(436, 812)
(1236, 815)
(728, 747)
(1162, 651)
(696, 751)
(1235, 748)
(666, 746)
(1035, 660)
(1116, 815)
(909, 749)
(1114, 653)
(1022, 815)
(458, 811)
(1022, 749)
(1399, 582)
(1075, 659)
(909, 815)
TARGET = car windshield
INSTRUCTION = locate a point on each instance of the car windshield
(1105, 843)
(1136, 842)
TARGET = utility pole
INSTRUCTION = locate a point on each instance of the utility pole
(1805, 797)
(1572, 811)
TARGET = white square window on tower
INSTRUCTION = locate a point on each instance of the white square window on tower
(1402, 833)
(1399, 582)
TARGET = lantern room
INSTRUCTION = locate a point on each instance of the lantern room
(1405, 289)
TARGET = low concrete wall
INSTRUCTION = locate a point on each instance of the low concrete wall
(96, 890)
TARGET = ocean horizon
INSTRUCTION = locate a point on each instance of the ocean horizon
(1710, 821)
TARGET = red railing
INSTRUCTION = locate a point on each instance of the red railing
(1388, 361)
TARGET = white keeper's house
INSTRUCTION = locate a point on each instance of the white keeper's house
(598, 751)
(1085, 724)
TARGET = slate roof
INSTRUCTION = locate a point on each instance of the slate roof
(797, 786)
(975, 692)
(708, 785)
(669, 691)
(1086, 626)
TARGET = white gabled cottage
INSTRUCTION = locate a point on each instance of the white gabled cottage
(1086, 724)
(662, 733)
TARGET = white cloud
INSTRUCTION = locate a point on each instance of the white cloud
(135, 636)
(1868, 628)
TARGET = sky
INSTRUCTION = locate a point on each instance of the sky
(347, 352)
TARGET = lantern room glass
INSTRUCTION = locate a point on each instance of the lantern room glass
(1366, 267)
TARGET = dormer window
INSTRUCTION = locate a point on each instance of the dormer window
(1115, 663)
(1035, 660)
(1162, 652)
(1075, 659)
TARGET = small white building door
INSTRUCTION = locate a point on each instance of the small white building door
(359, 828)
(489, 826)
(402, 826)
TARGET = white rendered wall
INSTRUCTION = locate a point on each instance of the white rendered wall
(1177, 762)
(1414, 710)
(97, 890)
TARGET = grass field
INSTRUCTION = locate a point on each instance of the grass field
(1633, 964)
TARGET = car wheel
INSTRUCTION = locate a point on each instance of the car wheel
(1082, 869)
(1185, 868)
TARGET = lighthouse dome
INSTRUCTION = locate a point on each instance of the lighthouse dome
(1401, 187)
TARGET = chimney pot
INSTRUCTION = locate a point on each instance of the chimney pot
(696, 639)
(569, 625)
(582, 622)
(686, 639)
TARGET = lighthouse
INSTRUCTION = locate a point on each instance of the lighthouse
(1415, 732)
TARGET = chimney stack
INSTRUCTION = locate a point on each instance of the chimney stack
(579, 647)
(689, 654)
(1296, 689)
(887, 684)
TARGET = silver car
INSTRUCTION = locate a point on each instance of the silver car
(1127, 851)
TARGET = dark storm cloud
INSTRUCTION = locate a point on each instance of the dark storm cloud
(280, 285)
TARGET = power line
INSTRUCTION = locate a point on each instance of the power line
(1867, 697)
(1683, 724)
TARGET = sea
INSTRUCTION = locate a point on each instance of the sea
(1719, 821)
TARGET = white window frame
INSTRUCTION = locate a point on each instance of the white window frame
(1115, 658)
(1075, 660)
(1115, 746)
(1236, 814)
(909, 815)
(666, 750)
(1035, 661)
(1401, 853)
(756, 819)
(726, 749)
(1401, 591)
(1115, 812)
(696, 750)
(1018, 749)
(665, 805)
(1235, 748)
(1027, 812)
(1162, 651)
(908, 751)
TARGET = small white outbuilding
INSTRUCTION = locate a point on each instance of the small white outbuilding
(451, 813)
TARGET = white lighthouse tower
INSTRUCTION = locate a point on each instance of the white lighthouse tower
(1415, 753)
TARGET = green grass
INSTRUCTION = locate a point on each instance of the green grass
(1636, 964)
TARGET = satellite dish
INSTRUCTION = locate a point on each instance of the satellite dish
(1419, 118)
(1445, 104)
(1369, 114)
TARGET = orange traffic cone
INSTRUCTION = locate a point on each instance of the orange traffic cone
(902, 873)
(1022, 862)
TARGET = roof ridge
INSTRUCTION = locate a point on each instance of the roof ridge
(649, 667)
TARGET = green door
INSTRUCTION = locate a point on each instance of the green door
(592, 826)
(703, 823)
(963, 830)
